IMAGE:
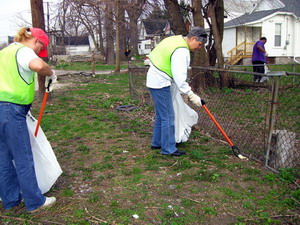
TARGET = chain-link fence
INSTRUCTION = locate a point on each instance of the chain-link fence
(262, 119)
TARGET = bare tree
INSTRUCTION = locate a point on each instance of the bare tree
(108, 26)
(200, 57)
(123, 26)
(118, 17)
(86, 14)
(99, 17)
(176, 19)
(62, 22)
(215, 11)
(134, 8)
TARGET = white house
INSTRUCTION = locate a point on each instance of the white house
(277, 20)
(73, 45)
(151, 33)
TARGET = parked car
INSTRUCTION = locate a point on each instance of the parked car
(147, 60)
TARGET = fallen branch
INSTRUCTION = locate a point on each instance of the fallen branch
(95, 218)
(295, 200)
(153, 207)
(165, 167)
(18, 219)
(276, 216)
(52, 222)
(190, 199)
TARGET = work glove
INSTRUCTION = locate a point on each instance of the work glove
(50, 81)
(195, 99)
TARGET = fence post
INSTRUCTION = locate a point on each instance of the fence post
(131, 92)
(272, 114)
(93, 62)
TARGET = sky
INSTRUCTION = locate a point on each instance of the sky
(10, 10)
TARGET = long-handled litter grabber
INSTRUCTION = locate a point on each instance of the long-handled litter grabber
(42, 108)
(235, 149)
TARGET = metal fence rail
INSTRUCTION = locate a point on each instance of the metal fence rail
(263, 119)
(284, 148)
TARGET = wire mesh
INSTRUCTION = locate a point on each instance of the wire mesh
(246, 112)
(284, 149)
(240, 111)
(137, 84)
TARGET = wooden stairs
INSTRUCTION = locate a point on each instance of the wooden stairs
(241, 51)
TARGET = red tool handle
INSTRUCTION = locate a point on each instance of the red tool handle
(217, 124)
(41, 113)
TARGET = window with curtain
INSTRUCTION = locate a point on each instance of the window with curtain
(277, 34)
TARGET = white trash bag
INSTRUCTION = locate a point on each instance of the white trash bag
(47, 168)
(185, 117)
(265, 78)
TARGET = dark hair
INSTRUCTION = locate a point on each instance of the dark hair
(199, 33)
(263, 39)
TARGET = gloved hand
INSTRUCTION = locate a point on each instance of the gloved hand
(195, 99)
(50, 81)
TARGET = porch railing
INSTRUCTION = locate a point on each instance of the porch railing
(242, 50)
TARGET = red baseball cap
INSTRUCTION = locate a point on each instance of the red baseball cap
(42, 37)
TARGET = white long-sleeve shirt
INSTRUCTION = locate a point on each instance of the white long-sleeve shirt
(180, 62)
(24, 57)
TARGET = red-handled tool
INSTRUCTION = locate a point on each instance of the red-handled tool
(41, 113)
(235, 149)
(42, 108)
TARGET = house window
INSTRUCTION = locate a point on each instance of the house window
(148, 46)
(277, 34)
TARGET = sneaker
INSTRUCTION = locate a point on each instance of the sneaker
(177, 153)
(155, 147)
(48, 203)
(263, 79)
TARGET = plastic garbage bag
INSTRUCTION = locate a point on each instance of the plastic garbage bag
(185, 117)
(265, 78)
(47, 168)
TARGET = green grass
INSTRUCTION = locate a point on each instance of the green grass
(81, 66)
(110, 172)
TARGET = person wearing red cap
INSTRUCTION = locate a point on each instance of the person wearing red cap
(18, 64)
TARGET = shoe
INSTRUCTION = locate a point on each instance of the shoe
(158, 147)
(155, 147)
(263, 79)
(179, 144)
(48, 203)
(177, 153)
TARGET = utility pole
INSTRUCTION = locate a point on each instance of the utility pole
(48, 16)
(50, 49)
(38, 21)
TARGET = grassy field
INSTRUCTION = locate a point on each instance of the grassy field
(99, 66)
(111, 175)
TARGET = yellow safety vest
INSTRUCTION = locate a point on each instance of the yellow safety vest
(13, 88)
(161, 55)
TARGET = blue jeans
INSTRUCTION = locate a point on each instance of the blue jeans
(17, 182)
(164, 129)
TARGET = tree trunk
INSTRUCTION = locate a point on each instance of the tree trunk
(101, 46)
(117, 66)
(38, 21)
(63, 22)
(176, 19)
(123, 33)
(109, 35)
(134, 9)
(216, 12)
(200, 57)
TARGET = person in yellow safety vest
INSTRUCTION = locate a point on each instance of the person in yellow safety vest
(18, 64)
(169, 62)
